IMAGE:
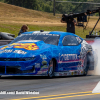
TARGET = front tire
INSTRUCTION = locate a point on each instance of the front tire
(51, 69)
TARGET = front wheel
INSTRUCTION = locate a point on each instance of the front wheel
(51, 69)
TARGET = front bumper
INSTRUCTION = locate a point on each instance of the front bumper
(17, 68)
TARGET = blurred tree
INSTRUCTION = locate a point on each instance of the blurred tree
(47, 5)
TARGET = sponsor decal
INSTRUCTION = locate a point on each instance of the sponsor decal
(39, 72)
(75, 73)
(65, 74)
(6, 51)
(44, 62)
(38, 32)
(37, 65)
(69, 73)
(72, 73)
(7, 59)
(80, 63)
(81, 72)
(43, 69)
(43, 56)
(45, 66)
(68, 57)
(42, 72)
(11, 51)
(19, 52)
(27, 46)
(60, 74)
(80, 68)
(72, 43)
(83, 49)
(78, 39)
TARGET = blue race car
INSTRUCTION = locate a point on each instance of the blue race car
(44, 53)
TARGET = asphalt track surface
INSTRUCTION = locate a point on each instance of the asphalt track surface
(57, 88)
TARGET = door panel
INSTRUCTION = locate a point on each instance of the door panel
(69, 56)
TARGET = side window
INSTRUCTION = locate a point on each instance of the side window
(79, 39)
(70, 40)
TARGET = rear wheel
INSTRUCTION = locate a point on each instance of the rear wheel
(86, 66)
(51, 69)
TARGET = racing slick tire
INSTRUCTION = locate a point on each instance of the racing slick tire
(86, 65)
(51, 68)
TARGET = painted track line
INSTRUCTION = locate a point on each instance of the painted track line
(68, 96)
(56, 96)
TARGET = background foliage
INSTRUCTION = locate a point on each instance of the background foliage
(15, 17)
(47, 5)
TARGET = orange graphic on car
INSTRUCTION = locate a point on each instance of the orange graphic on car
(4, 47)
(27, 46)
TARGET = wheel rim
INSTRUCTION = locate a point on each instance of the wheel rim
(85, 63)
(50, 71)
(85, 66)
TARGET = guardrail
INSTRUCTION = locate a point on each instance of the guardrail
(90, 40)
(4, 42)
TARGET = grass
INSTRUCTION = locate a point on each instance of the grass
(13, 17)
(14, 29)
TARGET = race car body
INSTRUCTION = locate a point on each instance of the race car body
(46, 54)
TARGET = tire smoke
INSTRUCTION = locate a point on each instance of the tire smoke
(96, 52)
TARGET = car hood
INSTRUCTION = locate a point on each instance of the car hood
(22, 49)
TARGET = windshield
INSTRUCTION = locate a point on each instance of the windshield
(47, 38)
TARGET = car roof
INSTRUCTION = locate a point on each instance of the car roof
(50, 32)
(61, 33)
